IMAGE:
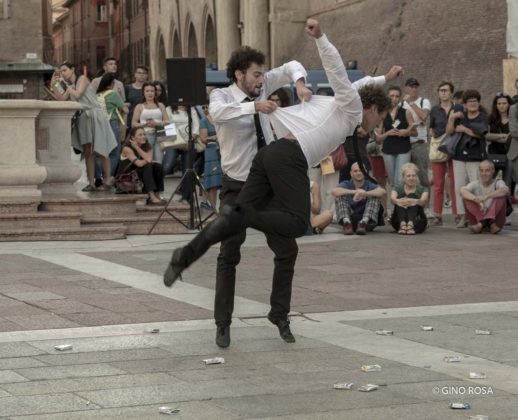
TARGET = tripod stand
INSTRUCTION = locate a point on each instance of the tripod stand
(189, 179)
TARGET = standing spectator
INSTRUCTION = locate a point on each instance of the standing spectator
(150, 114)
(110, 66)
(379, 173)
(394, 136)
(280, 97)
(363, 138)
(91, 132)
(512, 155)
(498, 135)
(180, 117)
(133, 92)
(358, 203)
(112, 103)
(514, 100)
(471, 149)
(319, 219)
(409, 199)
(485, 200)
(457, 97)
(212, 171)
(161, 92)
(420, 109)
(438, 119)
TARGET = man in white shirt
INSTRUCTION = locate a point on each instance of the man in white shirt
(420, 109)
(234, 111)
(485, 200)
(275, 198)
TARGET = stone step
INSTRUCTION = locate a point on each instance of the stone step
(173, 208)
(140, 224)
(12, 221)
(92, 205)
(84, 233)
(18, 205)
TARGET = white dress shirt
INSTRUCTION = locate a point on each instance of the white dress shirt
(234, 119)
(324, 122)
(422, 132)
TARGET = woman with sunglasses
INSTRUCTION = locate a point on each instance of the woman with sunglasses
(499, 137)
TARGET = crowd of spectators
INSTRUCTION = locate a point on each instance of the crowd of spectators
(117, 132)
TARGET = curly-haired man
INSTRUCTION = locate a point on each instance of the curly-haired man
(275, 198)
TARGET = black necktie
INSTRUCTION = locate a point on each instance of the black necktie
(258, 129)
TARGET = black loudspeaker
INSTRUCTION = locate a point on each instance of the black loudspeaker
(186, 81)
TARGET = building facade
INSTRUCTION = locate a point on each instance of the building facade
(414, 33)
(26, 47)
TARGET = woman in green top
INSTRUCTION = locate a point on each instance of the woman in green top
(114, 108)
(409, 199)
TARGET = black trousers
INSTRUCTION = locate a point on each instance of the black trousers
(414, 214)
(285, 250)
(152, 176)
(275, 199)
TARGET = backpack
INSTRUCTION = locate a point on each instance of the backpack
(101, 98)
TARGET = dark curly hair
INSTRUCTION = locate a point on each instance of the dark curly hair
(242, 59)
(375, 95)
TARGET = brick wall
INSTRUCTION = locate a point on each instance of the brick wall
(22, 32)
(462, 41)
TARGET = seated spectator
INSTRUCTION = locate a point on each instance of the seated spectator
(409, 199)
(485, 200)
(137, 154)
(319, 220)
(358, 204)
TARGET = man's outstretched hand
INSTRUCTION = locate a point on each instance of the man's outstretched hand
(313, 28)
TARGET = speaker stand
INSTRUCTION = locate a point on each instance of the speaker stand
(191, 178)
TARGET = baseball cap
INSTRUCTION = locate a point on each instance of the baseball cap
(411, 82)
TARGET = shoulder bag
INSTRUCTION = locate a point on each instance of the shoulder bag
(435, 155)
(168, 139)
(449, 143)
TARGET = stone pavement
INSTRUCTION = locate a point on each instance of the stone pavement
(104, 298)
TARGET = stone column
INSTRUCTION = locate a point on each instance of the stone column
(227, 21)
(256, 27)
(53, 142)
(19, 173)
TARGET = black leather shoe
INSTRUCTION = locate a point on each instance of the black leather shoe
(284, 329)
(175, 268)
(223, 336)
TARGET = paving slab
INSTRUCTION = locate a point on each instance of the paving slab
(345, 287)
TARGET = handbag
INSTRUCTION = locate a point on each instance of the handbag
(199, 145)
(167, 138)
(435, 155)
(449, 143)
(128, 183)
(339, 158)
(500, 161)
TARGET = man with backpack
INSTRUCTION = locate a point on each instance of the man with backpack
(420, 109)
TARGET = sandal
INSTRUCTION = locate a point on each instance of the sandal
(410, 229)
(104, 187)
(403, 228)
(89, 188)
